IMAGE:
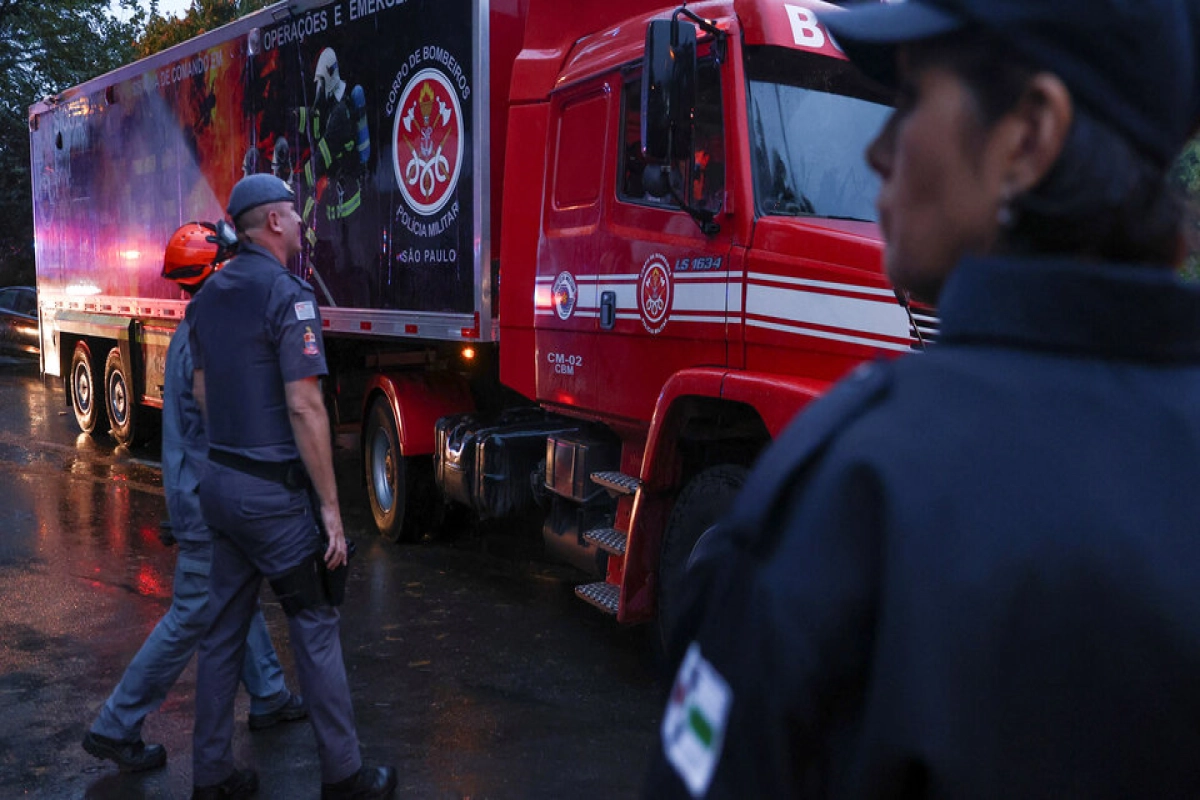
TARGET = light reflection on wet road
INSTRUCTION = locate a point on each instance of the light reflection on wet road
(474, 669)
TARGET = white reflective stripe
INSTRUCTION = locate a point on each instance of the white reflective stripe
(698, 297)
(837, 337)
(710, 298)
(588, 278)
(714, 276)
(697, 318)
(682, 317)
(626, 293)
(837, 287)
(833, 311)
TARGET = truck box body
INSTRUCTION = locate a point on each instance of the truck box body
(121, 161)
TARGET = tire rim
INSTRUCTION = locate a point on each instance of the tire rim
(118, 400)
(83, 389)
(383, 471)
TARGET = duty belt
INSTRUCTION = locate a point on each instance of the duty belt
(288, 473)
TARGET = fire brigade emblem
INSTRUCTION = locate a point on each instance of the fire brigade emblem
(654, 293)
(428, 141)
(310, 342)
(566, 292)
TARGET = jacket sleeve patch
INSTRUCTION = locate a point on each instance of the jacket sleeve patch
(305, 310)
(310, 343)
(693, 726)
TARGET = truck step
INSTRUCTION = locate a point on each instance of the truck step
(617, 482)
(610, 540)
(604, 596)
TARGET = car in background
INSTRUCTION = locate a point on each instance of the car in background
(18, 321)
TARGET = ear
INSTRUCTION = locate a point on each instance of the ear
(1040, 121)
(274, 224)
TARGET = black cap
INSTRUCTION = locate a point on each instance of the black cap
(1134, 64)
(257, 190)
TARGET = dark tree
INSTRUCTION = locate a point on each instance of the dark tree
(45, 48)
(203, 16)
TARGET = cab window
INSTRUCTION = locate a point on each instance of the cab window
(811, 120)
(703, 175)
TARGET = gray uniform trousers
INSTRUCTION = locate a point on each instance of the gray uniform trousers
(262, 528)
(170, 646)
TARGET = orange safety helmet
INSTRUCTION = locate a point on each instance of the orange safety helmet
(194, 252)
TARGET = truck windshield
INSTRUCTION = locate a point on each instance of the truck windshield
(811, 119)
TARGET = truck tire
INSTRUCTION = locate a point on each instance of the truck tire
(120, 404)
(703, 501)
(87, 395)
(401, 493)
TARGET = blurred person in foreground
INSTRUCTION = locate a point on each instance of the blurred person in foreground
(194, 252)
(972, 573)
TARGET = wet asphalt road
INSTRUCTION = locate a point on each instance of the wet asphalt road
(473, 667)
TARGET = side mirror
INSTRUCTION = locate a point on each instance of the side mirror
(668, 90)
(656, 180)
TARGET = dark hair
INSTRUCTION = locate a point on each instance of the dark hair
(1103, 198)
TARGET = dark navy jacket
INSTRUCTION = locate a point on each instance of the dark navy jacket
(254, 328)
(971, 573)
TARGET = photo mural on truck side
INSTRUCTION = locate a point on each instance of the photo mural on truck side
(118, 168)
(364, 107)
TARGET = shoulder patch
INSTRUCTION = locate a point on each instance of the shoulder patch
(305, 309)
(310, 343)
(693, 726)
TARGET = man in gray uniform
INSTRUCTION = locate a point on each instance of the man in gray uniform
(116, 735)
(256, 340)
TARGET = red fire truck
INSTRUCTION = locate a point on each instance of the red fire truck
(578, 262)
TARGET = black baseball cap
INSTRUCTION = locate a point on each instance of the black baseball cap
(1134, 64)
(257, 190)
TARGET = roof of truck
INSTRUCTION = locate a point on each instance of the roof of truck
(546, 65)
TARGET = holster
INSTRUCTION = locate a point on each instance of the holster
(333, 581)
(302, 587)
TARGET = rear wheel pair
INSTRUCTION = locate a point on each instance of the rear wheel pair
(114, 395)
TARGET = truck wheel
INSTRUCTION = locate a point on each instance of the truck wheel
(87, 396)
(402, 497)
(703, 501)
(120, 404)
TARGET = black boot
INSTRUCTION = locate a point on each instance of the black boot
(294, 709)
(129, 756)
(367, 782)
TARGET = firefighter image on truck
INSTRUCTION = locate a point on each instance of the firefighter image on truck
(335, 127)
(603, 251)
